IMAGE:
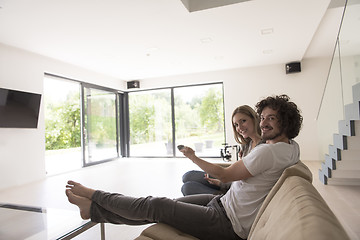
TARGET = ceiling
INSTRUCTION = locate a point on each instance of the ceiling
(141, 39)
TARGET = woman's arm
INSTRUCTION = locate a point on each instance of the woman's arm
(235, 172)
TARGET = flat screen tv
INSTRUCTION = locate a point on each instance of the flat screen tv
(19, 109)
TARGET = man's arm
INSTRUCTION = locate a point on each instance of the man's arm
(235, 172)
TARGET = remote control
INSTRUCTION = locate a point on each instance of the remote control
(180, 147)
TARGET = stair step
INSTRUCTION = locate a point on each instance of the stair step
(325, 170)
(343, 181)
(356, 124)
(352, 111)
(334, 152)
(356, 92)
(330, 163)
(345, 174)
(347, 127)
(340, 141)
(346, 155)
(348, 165)
(322, 177)
(353, 142)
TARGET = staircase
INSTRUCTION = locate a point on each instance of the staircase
(342, 164)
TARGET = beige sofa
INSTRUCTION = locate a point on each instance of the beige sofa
(292, 210)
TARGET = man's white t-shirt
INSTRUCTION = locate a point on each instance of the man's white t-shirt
(266, 162)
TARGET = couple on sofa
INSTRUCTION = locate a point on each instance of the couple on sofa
(208, 216)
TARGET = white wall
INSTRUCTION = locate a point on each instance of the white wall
(304, 88)
(22, 151)
(249, 85)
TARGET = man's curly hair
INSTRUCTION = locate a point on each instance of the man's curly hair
(290, 119)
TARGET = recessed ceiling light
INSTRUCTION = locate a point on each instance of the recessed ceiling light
(152, 49)
(268, 51)
(267, 31)
(206, 40)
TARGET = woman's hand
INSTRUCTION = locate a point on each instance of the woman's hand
(212, 169)
(240, 154)
(212, 181)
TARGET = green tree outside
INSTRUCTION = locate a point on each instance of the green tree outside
(211, 111)
(62, 123)
(149, 113)
(150, 119)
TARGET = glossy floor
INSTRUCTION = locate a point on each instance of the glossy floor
(157, 177)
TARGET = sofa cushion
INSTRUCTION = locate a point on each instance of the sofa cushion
(297, 211)
(162, 231)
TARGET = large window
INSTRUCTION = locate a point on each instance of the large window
(161, 119)
(81, 124)
(150, 123)
(199, 118)
(62, 125)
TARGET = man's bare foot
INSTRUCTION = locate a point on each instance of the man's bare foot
(79, 189)
(82, 203)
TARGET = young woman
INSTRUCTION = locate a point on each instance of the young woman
(245, 123)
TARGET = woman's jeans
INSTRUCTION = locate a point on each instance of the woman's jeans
(194, 183)
(199, 215)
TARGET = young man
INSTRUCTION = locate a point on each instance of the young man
(208, 216)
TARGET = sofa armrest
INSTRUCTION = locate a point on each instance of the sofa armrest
(299, 169)
(297, 212)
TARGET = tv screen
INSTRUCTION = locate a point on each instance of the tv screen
(19, 109)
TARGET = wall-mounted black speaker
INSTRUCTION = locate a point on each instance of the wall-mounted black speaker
(293, 67)
(133, 84)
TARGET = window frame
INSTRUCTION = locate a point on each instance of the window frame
(122, 118)
(126, 96)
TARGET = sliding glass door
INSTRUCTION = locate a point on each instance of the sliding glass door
(100, 125)
(82, 124)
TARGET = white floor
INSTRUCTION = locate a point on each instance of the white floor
(135, 177)
(157, 177)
